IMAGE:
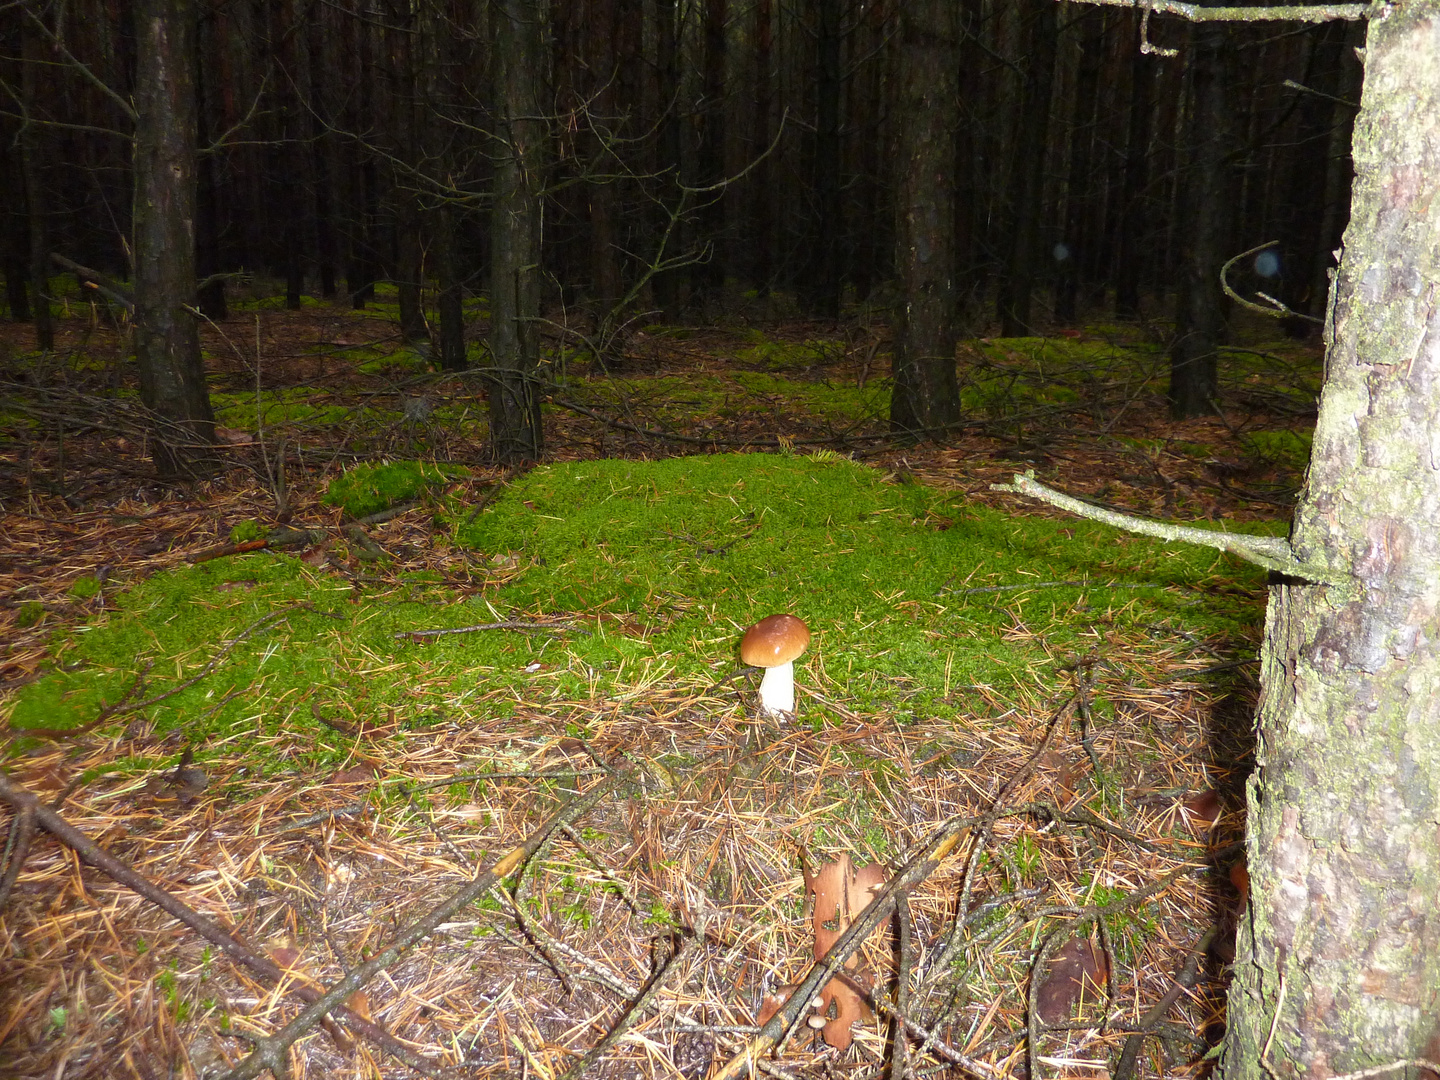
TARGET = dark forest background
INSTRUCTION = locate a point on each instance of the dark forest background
(977, 166)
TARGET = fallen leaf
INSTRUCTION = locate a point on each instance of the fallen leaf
(1203, 809)
(838, 893)
(1078, 970)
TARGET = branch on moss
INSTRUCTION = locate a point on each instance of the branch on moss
(1271, 552)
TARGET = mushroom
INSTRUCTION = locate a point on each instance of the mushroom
(773, 643)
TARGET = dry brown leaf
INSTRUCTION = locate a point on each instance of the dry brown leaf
(838, 893)
(1203, 809)
(1077, 971)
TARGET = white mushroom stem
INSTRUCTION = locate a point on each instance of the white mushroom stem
(777, 688)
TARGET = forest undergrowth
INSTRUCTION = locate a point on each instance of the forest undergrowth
(314, 700)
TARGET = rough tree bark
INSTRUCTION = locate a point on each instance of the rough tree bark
(515, 431)
(1338, 964)
(925, 396)
(167, 341)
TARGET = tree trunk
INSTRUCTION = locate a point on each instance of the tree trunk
(823, 273)
(762, 245)
(167, 342)
(450, 301)
(32, 171)
(1130, 258)
(709, 274)
(1338, 965)
(1205, 208)
(1027, 173)
(516, 435)
(209, 298)
(1074, 248)
(925, 396)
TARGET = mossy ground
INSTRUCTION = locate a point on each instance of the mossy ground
(658, 567)
(948, 629)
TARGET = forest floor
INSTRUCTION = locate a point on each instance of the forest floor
(1090, 813)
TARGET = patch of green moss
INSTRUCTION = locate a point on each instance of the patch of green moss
(368, 489)
(913, 596)
(295, 405)
(249, 530)
(1288, 448)
(400, 362)
(775, 355)
(85, 587)
(30, 614)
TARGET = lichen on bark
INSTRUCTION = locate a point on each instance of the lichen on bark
(1342, 939)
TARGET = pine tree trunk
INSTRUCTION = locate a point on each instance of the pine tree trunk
(32, 170)
(1027, 173)
(1338, 965)
(823, 273)
(1204, 225)
(515, 430)
(925, 396)
(167, 342)
(1130, 258)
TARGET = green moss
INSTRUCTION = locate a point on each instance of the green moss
(664, 563)
(30, 614)
(368, 489)
(400, 362)
(248, 530)
(296, 405)
(1288, 448)
(85, 587)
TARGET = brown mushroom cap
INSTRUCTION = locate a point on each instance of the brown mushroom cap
(774, 640)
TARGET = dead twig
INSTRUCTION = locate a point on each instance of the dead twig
(524, 627)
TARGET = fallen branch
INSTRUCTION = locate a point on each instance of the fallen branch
(1271, 552)
(527, 627)
(107, 287)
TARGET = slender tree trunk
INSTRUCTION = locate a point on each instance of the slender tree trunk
(605, 126)
(1335, 207)
(14, 226)
(667, 284)
(823, 276)
(450, 303)
(1073, 251)
(210, 298)
(1027, 172)
(32, 156)
(710, 274)
(761, 197)
(925, 396)
(322, 151)
(1338, 954)
(167, 342)
(1130, 258)
(515, 425)
(1206, 205)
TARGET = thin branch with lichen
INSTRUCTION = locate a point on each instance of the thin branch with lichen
(1271, 552)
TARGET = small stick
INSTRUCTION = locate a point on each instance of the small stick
(527, 627)
(22, 829)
